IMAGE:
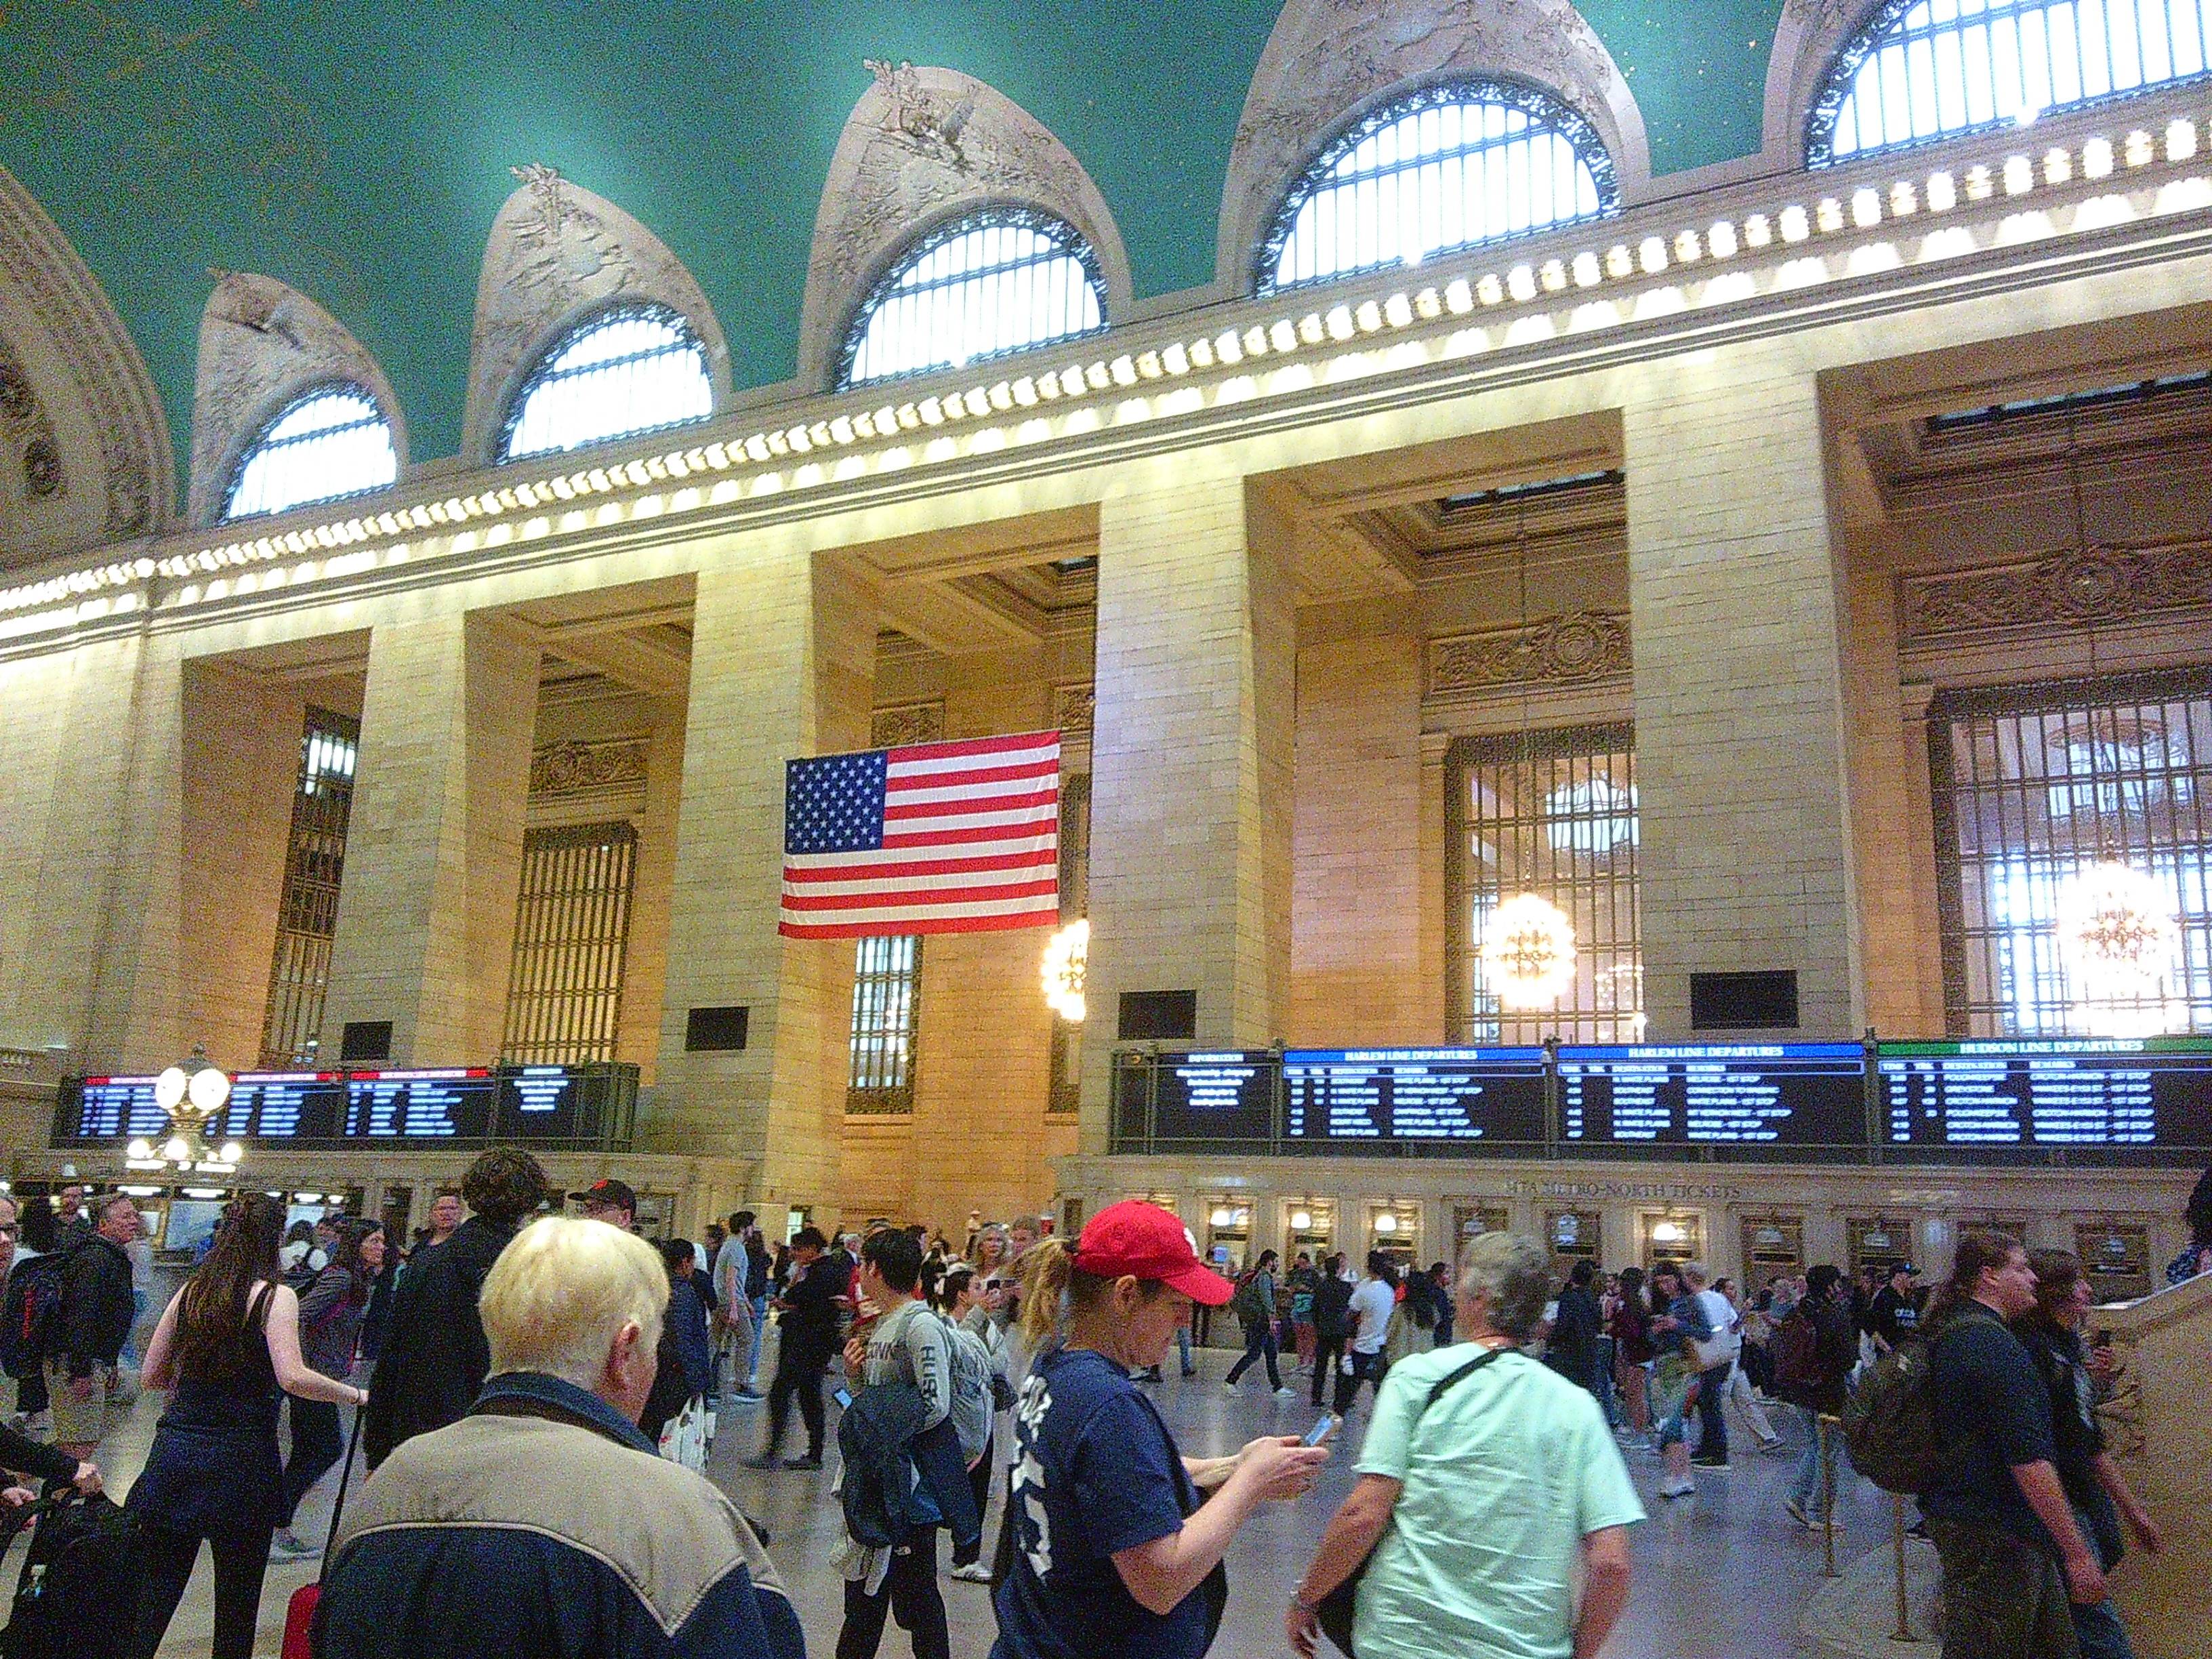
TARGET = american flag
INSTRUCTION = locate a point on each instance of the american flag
(959, 838)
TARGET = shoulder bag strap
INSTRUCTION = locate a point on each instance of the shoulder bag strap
(346, 1475)
(1445, 1385)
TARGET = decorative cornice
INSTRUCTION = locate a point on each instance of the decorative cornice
(907, 722)
(570, 769)
(2093, 584)
(1579, 647)
(1073, 708)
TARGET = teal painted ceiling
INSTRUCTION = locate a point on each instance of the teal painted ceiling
(359, 152)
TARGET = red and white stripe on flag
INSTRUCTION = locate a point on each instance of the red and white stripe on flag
(968, 842)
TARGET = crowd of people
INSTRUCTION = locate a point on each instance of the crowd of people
(534, 1392)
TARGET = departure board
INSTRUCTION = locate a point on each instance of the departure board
(1780, 1094)
(92, 1109)
(445, 1104)
(1214, 1096)
(2089, 1093)
(1467, 1096)
(287, 1106)
(549, 1102)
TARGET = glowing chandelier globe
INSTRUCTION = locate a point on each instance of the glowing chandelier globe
(1066, 957)
(2117, 939)
(1527, 951)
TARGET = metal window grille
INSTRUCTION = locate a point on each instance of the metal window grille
(630, 369)
(886, 1014)
(1064, 1097)
(571, 943)
(992, 283)
(1923, 70)
(324, 444)
(1447, 167)
(2033, 783)
(1552, 813)
(307, 905)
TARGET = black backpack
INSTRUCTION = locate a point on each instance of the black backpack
(31, 1315)
(80, 1567)
(1889, 1421)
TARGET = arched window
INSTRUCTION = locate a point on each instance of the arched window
(994, 281)
(1919, 69)
(323, 444)
(631, 369)
(1444, 168)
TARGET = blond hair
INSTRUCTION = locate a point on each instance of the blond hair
(562, 1290)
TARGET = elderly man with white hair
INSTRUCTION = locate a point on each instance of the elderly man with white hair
(543, 1522)
(1488, 1484)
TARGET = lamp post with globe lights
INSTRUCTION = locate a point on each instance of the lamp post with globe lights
(194, 1093)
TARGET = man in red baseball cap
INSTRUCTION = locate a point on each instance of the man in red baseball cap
(1113, 1555)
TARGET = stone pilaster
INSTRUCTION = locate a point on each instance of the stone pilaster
(1745, 852)
(1192, 762)
(782, 666)
(433, 848)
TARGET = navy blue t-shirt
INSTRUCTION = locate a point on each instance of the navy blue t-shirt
(1993, 1412)
(1098, 1473)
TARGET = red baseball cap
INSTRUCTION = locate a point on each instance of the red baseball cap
(1147, 1242)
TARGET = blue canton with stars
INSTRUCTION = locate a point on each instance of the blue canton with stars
(836, 804)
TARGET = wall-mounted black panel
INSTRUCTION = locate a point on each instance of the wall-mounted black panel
(1158, 1016)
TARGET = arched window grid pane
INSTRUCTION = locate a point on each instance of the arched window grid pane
(986, 286)
(1448, 168)
(326, 444)
(633, 368)
(1919, 70)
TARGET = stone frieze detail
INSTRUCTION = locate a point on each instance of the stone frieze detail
(568, 769)
(2091, 584)
(1571, 648)
(911, 722)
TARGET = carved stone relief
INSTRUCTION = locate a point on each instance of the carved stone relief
(2094, 585)
(26, 437)
(99, 396)
(1569, 649)
(262, 342)
(557, 252)
(911, 722)
(1329, 60)
(1073, 708)
(921, 144)
(568, 768)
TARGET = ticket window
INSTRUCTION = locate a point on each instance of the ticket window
(1228, 1249)
(1772, 1244)
(1470, 1220)
(1309, 1224)
(1669, 1237)
(1574, 1236)
(1169, 1201)
(2013, 1223)
(1394, 1229)
(1878, 1241)
(2116, 1255)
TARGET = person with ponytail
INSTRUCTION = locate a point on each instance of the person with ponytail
(1117, 1538)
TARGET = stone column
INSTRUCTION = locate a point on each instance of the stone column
(782, 666)
(1192, 762)
(433, 848)
(1746, 857)
(645, 970)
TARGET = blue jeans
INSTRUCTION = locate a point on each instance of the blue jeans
(1182, 1346)
(1259, 1339)
(1601, 1381)
(1814, 1483)
(2100, 1633)
(760, 1324)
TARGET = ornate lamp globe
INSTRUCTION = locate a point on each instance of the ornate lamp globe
(1066, 957)
(1527, 950)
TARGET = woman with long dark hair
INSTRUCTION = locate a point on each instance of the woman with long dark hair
(333, 1307)
(1633, 1351)
(227, 1344)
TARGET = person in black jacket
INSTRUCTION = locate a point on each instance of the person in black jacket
(1572, 1349)
(810, 1305)
(1820, 1326)
(98, 1310)
(1332, 1322)
(434, 1358)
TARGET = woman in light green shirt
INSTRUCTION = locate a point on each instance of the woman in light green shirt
(1484, 1492)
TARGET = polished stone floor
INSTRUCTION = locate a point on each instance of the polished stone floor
(1723, 1575)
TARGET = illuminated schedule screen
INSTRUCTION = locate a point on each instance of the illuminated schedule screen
(1214, 1096)
(447, 1103)
(1781, 1095)
(287, 1106)
(93, 1110)
(1469, 1097)
(2089, 1093)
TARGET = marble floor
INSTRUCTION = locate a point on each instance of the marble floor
(1723, 1575)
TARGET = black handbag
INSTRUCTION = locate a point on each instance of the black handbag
(1337, 1608)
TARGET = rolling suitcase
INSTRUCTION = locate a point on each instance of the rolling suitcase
(80, 1570)
(300, 1611)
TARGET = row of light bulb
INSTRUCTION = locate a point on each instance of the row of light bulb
(177, 1150)
(1938, 191)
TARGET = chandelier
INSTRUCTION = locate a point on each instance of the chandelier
(1066, 954)
(2116, 937)
(194, 1093)
(1527, 951)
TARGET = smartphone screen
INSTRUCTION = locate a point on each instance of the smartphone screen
(1320, 1431)
(842, 1396)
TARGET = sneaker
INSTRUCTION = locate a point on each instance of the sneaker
(1190, 1370)
(1681, 1486)
(1150, 1374)
(750, 1397)
(1796, 1511)
(1701, 1462)
(975, 1572)
(1229, 1388)
(286, 1545)
(766, 1460)
(812, 1462)
(1286, 1392)
(1774, 1448)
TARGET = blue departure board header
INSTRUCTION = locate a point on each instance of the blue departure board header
(1776, 1094)
(1494, 1096)
(2091, 1095)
